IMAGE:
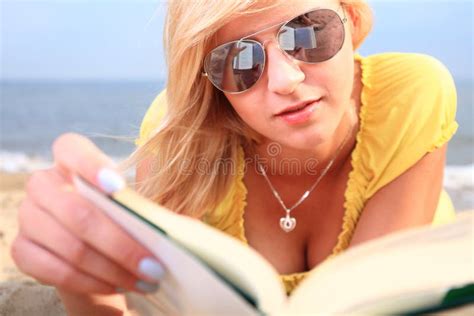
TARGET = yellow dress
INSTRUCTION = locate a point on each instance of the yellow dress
(408, 108)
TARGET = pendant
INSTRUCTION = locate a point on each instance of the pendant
(287, 223)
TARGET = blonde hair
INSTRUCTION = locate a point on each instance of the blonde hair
(200, 125)
(363, 22)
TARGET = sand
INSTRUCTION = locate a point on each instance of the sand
(20, 294)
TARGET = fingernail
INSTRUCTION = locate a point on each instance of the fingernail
(146, 287)
(151, 268)
(110, 181)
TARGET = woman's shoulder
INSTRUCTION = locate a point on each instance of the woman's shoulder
(405, 74)
(393, 62)
(407, 89)
(408, 109)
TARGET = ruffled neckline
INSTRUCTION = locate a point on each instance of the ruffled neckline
(353, 201)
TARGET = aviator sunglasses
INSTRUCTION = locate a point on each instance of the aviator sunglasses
(311, 37)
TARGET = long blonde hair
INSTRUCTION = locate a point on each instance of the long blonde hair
(201, 126)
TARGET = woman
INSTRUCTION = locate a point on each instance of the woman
(271, 129)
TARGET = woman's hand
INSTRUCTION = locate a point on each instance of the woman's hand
(67, 242)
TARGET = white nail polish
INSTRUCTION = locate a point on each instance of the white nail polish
(151, 268)
(110, 181)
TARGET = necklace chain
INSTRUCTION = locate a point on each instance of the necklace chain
(288, 223)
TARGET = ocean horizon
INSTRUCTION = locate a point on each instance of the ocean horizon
(33, 113)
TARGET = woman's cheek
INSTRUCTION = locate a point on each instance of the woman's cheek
(247, 111)
(340, 82)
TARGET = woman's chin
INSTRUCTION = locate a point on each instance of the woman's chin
(304, 143)
(309, 139)
(304, 140)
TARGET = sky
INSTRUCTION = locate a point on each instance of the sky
(122, 39)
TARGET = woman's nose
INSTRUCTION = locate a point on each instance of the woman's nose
(284, 75)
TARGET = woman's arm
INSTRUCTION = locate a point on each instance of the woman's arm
(409, 200)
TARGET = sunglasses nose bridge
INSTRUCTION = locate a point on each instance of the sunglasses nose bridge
(264, 43)
(277, 44)
(280, 49)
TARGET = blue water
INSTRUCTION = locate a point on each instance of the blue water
(32, 114)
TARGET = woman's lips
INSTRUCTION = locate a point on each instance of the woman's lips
(299, 116)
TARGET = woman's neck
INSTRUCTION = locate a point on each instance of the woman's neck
(290, 163)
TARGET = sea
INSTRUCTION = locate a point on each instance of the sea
(34, 113)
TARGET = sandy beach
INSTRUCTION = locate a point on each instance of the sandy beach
(19, 294)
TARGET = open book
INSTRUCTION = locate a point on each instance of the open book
(211, 273)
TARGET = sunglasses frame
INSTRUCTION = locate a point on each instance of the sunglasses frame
(262, 45)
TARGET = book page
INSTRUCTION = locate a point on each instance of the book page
(392, 274)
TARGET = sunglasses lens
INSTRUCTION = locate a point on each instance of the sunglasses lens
(313, 37)
(235, 66)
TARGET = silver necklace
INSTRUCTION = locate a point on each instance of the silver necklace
(288, 223)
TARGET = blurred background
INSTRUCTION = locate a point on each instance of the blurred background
(93, 67)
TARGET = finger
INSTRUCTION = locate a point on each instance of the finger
(49, 269)
(65, 245)
(74, 153)
(90, 224)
